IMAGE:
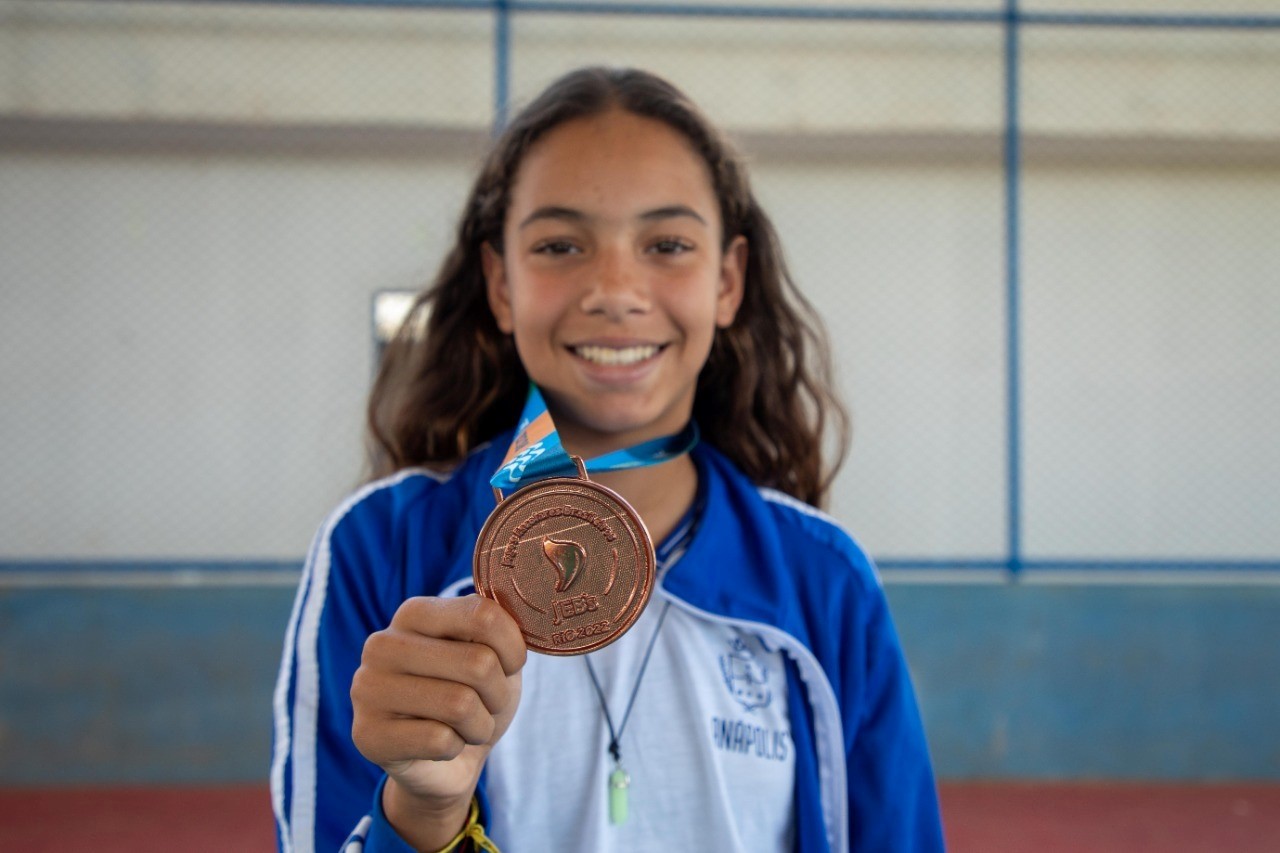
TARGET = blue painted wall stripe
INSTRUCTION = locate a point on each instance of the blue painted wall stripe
(1015, 681)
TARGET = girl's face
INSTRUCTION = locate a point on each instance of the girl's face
(612, 280)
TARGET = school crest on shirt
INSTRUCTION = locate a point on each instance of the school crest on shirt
(745, 677)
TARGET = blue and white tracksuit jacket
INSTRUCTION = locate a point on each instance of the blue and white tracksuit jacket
(760, 560)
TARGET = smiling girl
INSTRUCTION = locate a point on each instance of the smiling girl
(612, 254)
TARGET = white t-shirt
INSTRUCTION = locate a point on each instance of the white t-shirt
(707, 745)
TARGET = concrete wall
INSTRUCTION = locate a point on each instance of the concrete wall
(198, 202)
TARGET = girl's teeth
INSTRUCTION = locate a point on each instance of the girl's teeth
(612, 357)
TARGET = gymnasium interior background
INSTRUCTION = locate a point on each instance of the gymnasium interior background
(1045, 237)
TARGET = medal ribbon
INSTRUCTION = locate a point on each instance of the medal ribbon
(536, 452)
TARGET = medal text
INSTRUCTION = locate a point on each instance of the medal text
(567, 608)
(560, 638)
(517, 534)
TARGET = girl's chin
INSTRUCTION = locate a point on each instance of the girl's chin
(615, 432)
(620, 418)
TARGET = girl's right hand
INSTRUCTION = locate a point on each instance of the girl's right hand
(433, 694)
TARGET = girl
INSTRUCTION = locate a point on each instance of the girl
(612, 255)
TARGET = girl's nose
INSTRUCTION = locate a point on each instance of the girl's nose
(618, 286)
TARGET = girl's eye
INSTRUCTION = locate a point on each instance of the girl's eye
(555, 247)
(671, 246)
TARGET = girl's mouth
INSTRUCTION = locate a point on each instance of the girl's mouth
(616, 356)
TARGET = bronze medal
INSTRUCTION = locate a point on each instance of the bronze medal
(570, 560)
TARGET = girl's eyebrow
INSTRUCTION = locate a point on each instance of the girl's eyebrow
(673, 211)
(552, 211)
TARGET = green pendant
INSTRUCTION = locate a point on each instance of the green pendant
(619, 781)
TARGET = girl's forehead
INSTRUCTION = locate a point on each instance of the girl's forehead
(616, 159)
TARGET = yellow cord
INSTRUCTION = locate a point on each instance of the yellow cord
(473, 831)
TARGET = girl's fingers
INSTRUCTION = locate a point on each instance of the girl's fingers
(472, 619)
(395, 697)
(393, 741)
(474, 665)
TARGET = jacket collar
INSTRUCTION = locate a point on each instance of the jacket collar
(736, 565)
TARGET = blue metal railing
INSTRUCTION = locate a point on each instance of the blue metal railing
(1013, 280)
(852, 12)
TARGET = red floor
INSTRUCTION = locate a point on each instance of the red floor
(1102, 818)
(980, 818)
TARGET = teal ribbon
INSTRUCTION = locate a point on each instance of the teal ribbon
(536, 452)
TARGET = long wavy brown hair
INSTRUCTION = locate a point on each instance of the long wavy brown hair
(451, 380)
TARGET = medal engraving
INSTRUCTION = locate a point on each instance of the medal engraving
(571, 562)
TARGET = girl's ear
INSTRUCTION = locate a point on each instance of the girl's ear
(733, 272)
(495, 281)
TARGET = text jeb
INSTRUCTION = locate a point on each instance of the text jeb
(567, 608)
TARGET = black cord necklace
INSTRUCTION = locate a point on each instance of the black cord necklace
(619, 781)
